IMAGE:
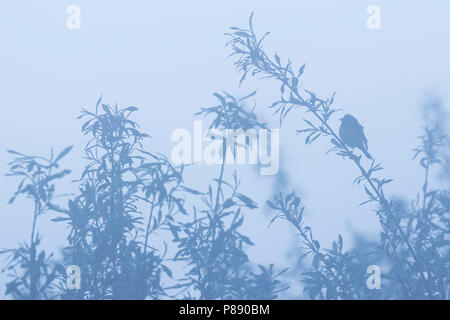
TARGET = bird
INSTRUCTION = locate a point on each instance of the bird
(352, 134)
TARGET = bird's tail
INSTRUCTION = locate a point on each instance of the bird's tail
(367, 154)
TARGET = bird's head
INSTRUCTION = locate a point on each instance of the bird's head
(348, 119)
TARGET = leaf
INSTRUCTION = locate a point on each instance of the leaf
(369, 193)
(174, 231)
(248, 202)
(63, 153)
(228, 203)
(341, 243)
(277, 58)
(316, 244)
(248, 96)
(316, 260)
(131, 109)
(271, 205)
(167, 270)
(242, 34)
(14, 152)
(191, 190)
(57, 175)
(301, 70)
(335, 142)
(180, 206)
(282, 272)
(247, 240)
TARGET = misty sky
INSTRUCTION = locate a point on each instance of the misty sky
(169, 57)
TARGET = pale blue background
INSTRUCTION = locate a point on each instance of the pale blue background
(168, 57)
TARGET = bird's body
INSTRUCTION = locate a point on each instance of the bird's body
(352, 134)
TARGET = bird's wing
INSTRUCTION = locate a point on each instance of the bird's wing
(364, 139)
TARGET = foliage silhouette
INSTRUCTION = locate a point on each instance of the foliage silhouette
(129, 201)
(127, 197)
(32, 270)
(211, 244)
(420, 258)
(109, 237)
(334, 274)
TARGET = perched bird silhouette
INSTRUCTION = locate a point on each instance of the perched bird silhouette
(352, 134)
